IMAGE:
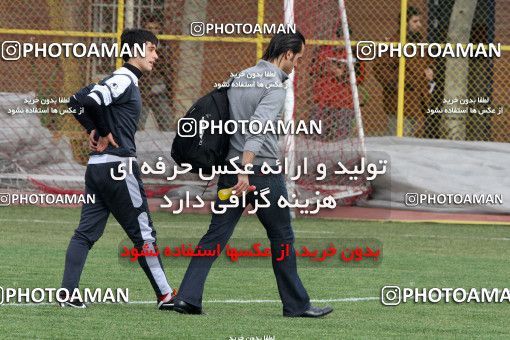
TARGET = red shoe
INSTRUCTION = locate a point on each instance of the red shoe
(166, 302)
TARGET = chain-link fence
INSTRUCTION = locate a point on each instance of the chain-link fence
(443, 97)
(189, 66)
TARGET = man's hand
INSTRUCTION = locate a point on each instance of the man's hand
(92, 140)
(243, 184)
(103, 142)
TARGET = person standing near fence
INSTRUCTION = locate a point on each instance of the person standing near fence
(418, 77)
(332, 93)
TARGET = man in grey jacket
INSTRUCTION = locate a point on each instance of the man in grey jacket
(256, 98)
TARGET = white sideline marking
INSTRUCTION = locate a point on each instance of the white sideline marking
(233, 301)
(312, 232)
(459, 237)
(32, 221)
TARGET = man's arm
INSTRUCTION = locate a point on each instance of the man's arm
(95, 112)
(114, 91)
(76, 103)
(248, 157)
(81, 115)
(267, 110)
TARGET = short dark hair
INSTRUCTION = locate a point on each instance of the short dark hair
(134, 36)
(283, 42)
(411, 12)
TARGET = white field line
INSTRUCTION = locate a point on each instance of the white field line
(458, 237)
(230, 301)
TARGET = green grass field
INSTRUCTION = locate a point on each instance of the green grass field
(34, 240)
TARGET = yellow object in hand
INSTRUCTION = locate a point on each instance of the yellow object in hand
(224, 194)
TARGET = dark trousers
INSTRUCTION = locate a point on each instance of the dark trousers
(127, 201)
(276, 221)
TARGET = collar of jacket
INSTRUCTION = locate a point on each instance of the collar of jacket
(133, 69)
(279, 72)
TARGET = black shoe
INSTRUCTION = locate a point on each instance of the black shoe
(72, 304)
(185, 308)
(169, 305)
(314, 312)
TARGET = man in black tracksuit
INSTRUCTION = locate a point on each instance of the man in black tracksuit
(111, 112)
